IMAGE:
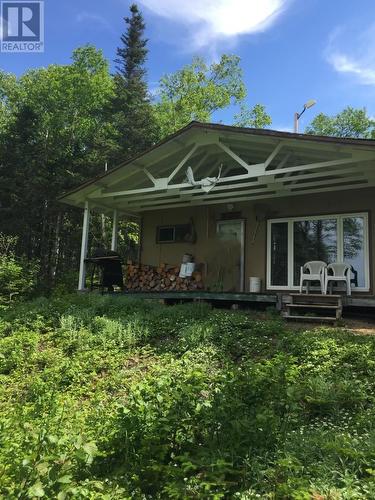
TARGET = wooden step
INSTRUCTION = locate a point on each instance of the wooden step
(313, 306)
(306, 299)
(316, 298)
(314, 303)
(315, 295)
(317, 319)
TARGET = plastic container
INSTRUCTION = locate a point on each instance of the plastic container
(183, 271)
(255, 284)
(189, 269)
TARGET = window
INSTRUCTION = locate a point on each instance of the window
(313, 240)
(166, 234)
(293, 242)
(279, 253)
(174, 234)
(355, 247)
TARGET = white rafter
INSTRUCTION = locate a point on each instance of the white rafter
(274, 176)
(273, 155)
(251, 189)
(150, 176)
(182, 162)
(237, 158)
(258, 172)
(262, 196)
(283, 161)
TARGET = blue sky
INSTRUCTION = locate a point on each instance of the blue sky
(291, 50)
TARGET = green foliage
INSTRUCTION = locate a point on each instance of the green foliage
(350, 122)
(17, 276)
(196, 91)
(56, 136)
(255, 117)
(62, 125)
(107, 397)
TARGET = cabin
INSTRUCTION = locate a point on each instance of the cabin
(247, 207)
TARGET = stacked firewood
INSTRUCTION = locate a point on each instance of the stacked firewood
(165, 278)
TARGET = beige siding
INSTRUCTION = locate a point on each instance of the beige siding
(255, 254)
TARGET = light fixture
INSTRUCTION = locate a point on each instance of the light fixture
(309, 104)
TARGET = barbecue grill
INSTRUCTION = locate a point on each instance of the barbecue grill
(108, 264)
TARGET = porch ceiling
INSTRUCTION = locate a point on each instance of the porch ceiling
(253, 164)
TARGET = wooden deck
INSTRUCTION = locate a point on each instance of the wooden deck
(270, 298)
(278, 299)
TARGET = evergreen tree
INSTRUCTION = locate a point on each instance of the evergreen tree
(132, 110)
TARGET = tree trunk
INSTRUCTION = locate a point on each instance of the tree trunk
(55, 257)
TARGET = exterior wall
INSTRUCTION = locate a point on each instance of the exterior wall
(205, 219)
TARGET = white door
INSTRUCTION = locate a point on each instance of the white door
(234, 231)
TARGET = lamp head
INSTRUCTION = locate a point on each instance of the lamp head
(309, 104)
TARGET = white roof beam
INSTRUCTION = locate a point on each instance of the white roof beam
(263, 196)
(256, 189)
(273, 155)
(268, 173)
(252, 171)
(238, 159)
(182, 162)
(173, 193)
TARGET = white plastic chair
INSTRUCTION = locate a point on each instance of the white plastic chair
(316, 272)
(340, 272)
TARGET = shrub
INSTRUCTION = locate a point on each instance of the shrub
(110, 398)
(17, 277)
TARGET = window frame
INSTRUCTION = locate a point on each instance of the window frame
(162, 242)
(175, 228)
(340, 246)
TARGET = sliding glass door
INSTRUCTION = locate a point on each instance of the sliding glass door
(338, 238)
(355, 247)
(279, 254)
(313, 240)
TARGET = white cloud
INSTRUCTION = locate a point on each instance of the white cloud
(89, 18)
(343, 64)
(358, 59)
(211, 20)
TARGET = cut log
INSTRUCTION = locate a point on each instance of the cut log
(143, 277)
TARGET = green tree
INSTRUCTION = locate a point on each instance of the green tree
(255, 117)
(350, 122)
(131, 107)
(196, 91)
(56, 136)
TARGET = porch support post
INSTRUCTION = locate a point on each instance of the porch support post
(114, 231)
(84, 246)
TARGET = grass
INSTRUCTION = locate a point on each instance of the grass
(110, 398)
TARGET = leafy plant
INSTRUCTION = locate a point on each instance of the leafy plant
(17, 276)
(108, 397)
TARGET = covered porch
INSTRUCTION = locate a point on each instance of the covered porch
(245, 204)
